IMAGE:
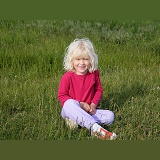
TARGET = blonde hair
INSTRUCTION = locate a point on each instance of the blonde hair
(80, 48)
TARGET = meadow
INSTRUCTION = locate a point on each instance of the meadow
(31, 66)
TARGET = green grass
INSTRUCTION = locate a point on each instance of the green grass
(31, 57)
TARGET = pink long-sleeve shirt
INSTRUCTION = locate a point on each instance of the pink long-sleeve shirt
(83, 88)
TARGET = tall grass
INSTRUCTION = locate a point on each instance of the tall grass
(31, 57)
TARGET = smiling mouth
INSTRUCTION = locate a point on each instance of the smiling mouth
(82, 67)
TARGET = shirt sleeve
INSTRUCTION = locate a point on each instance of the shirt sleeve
(98, 89)
(63, 89)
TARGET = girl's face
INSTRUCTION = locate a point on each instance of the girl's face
(81, 65)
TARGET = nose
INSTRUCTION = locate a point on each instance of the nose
(81, 61)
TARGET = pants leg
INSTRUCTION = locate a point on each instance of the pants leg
(104, 116)
(72, 110)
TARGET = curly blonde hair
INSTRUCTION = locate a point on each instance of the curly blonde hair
(80, 48)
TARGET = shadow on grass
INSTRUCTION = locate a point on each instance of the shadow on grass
(115, 100)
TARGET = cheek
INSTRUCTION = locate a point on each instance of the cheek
(88, 64)
(74, 63)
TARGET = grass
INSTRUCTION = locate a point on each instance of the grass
(31, 55)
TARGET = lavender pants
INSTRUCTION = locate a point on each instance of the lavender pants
(72, 110)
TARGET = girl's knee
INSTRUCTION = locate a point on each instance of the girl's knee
(70, 102)
(110, 117)
(68, 107)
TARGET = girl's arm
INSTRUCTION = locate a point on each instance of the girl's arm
(63, 90)
(98, 90)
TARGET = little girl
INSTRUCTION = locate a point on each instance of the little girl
(80, 90)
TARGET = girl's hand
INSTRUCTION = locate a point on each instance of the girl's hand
(92, 109)
(85, 106)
